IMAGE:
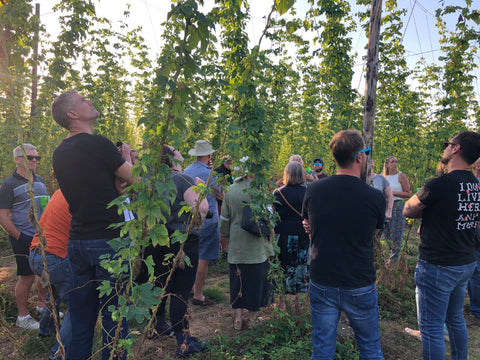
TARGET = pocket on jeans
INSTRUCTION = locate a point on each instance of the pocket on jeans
(318, 297)
(366, 302)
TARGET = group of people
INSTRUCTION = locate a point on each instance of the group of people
(325, 235)
(342, 214)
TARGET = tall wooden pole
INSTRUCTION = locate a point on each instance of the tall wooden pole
(35, 64)
(371, 74)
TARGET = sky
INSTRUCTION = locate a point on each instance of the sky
(420, 34)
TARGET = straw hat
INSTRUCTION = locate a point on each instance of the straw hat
(202, 148)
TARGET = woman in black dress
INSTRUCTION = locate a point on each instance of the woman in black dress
(292, 239)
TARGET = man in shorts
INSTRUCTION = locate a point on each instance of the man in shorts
(209, 245)
(15, 204)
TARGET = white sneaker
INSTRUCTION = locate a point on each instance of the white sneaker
(27, 323)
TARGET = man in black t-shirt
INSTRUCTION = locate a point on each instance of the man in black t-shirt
(449, 206)
(343, 214)
(85, 166)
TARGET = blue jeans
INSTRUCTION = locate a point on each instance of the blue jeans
(474, 289)
(85, 303)
(441, 292)
(361, 307)
(60, 279)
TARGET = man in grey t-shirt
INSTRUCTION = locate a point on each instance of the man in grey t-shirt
(15, 205)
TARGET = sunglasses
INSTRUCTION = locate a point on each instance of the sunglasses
(446, 143)
(31, 157)
(367, 152)
(318, 163)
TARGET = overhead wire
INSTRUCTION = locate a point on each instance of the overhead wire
(151, 23)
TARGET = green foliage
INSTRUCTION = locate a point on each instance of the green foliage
(37, 346)
(266, 104)
(396, 290)
(215, 293)
(8, 305)
(285, 336)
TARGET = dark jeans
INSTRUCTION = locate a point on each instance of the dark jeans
(180, 284)
(60, 276)
(85, 303)
(474, 289)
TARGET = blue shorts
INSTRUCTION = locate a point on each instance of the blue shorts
(209, 242)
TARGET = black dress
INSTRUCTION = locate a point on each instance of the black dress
(292, 239)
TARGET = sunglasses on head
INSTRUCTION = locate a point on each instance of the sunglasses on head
(31, 157)
(367, 152)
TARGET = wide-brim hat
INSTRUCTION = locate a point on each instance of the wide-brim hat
(202, 148)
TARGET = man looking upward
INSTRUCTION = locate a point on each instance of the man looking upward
(85, 166)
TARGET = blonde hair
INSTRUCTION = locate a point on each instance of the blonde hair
(385, 169)
(293, 174)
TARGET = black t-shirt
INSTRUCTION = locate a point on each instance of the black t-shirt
(449, 219)
(175, 222)
(294, 194)
(343, 212)
(84, 166)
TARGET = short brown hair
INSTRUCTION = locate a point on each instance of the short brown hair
(293, 174)
(345, 145)
(61, 106)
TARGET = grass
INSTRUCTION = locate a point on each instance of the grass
(283, 335)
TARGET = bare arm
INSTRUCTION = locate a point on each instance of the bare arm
(191, 197)
(7, 223)
(309, 177)
(413, 208)
(389, 196)
(406, 190)
(125, 173)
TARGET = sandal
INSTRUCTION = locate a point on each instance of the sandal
(206, 301)
(238, 324)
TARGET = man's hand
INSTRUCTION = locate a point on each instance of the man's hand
(306, 226)
(388, 214)
(7, 223)
(120, 185)
(125, 150)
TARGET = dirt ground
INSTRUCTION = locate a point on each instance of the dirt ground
(205, 323)
(209, 322)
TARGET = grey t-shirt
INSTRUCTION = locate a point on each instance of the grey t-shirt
(15, 197)
(379, 182)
